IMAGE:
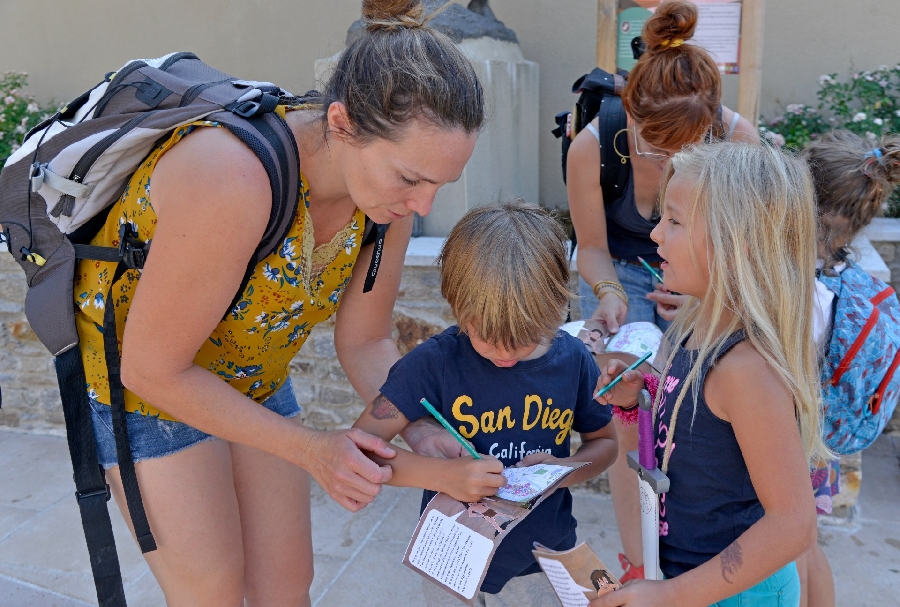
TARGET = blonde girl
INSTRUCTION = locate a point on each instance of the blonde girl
(738, 410)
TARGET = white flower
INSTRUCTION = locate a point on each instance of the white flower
(9, 100)
(14, 147)
(897, 113)
(20, 130)
(878, 121)
(883, 83)
(795, 108)
(825, 79)
(871, 136)
(2, 117)
(859, 116)
(32, 108)
(870, 78)
(778, 140)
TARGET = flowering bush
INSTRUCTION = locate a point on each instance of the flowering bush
(18, 112)
(867, 104)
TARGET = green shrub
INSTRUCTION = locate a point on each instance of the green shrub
(867, 103)
(18, 112)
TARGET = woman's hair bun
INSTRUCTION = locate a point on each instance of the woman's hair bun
(388, 14)
(670, 22)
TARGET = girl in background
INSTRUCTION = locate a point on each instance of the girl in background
(853, 178)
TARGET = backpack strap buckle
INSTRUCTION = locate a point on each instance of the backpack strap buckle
(132, 251)
(263, 104)
(96, 493)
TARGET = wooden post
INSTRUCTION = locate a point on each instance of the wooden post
(750, 77)
(607, 34)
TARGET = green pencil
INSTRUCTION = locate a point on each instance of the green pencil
(651, 270)
(619, 377)
(451, 429)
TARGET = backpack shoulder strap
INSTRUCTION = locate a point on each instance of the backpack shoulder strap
(614, 170)
(270, 138)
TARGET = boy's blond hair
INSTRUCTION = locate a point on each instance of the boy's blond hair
(505, 273)
(758, 205)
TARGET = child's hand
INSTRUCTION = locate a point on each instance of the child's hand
(623, 394)
(541, 457)
(471, 479)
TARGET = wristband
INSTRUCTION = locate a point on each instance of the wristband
(629, 416)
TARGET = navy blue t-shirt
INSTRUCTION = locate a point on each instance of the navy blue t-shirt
(711, 501)
(508, 413)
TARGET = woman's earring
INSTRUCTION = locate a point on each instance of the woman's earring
(616, 149)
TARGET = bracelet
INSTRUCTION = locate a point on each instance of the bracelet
(610, 286)
(621, 296)
(600, 284)
(629, 416)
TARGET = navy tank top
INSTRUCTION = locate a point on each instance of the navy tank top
(627, 231)
(711, 501)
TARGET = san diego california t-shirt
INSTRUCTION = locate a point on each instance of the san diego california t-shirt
(508, 413)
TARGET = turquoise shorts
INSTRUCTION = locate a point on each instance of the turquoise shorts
(781, 589)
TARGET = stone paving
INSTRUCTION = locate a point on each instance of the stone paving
(44, 562)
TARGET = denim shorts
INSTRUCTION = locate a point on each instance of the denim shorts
(781, 589)
(637, 282)
(151, 437)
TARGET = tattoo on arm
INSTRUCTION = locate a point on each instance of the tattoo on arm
(382, 408)
(731, 561)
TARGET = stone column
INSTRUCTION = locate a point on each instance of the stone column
(504, 164)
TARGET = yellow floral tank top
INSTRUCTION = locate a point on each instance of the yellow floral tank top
(288, 293)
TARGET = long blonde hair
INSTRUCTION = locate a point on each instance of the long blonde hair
(758, 205)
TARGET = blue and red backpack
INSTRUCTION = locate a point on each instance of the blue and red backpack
(860, 376)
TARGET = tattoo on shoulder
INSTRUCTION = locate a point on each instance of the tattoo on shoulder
(382, 408)
(731, 561)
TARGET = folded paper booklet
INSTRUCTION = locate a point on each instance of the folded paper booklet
(577, 575)
(454, 542)
(635, 338)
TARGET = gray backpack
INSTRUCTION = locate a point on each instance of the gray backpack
(56, 191)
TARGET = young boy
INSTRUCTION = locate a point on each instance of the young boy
(509, 381)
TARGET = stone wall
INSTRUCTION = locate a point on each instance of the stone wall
(28, 379)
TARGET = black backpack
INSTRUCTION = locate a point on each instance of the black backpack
(599, 95)
(55, 194)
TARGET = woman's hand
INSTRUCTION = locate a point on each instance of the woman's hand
(468, 479)
(625, 393)
(337, 462)
(668, 303)
(638, 593)
(612, 310)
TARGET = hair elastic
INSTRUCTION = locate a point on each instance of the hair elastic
(672, 42)
(876, 153)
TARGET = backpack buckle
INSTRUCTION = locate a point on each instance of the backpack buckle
(132, 251)
(262, 104)
(89, 494)
(245, 109)
(37, 176)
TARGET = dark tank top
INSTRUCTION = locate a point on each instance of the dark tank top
(627, 231)
(711, 501)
